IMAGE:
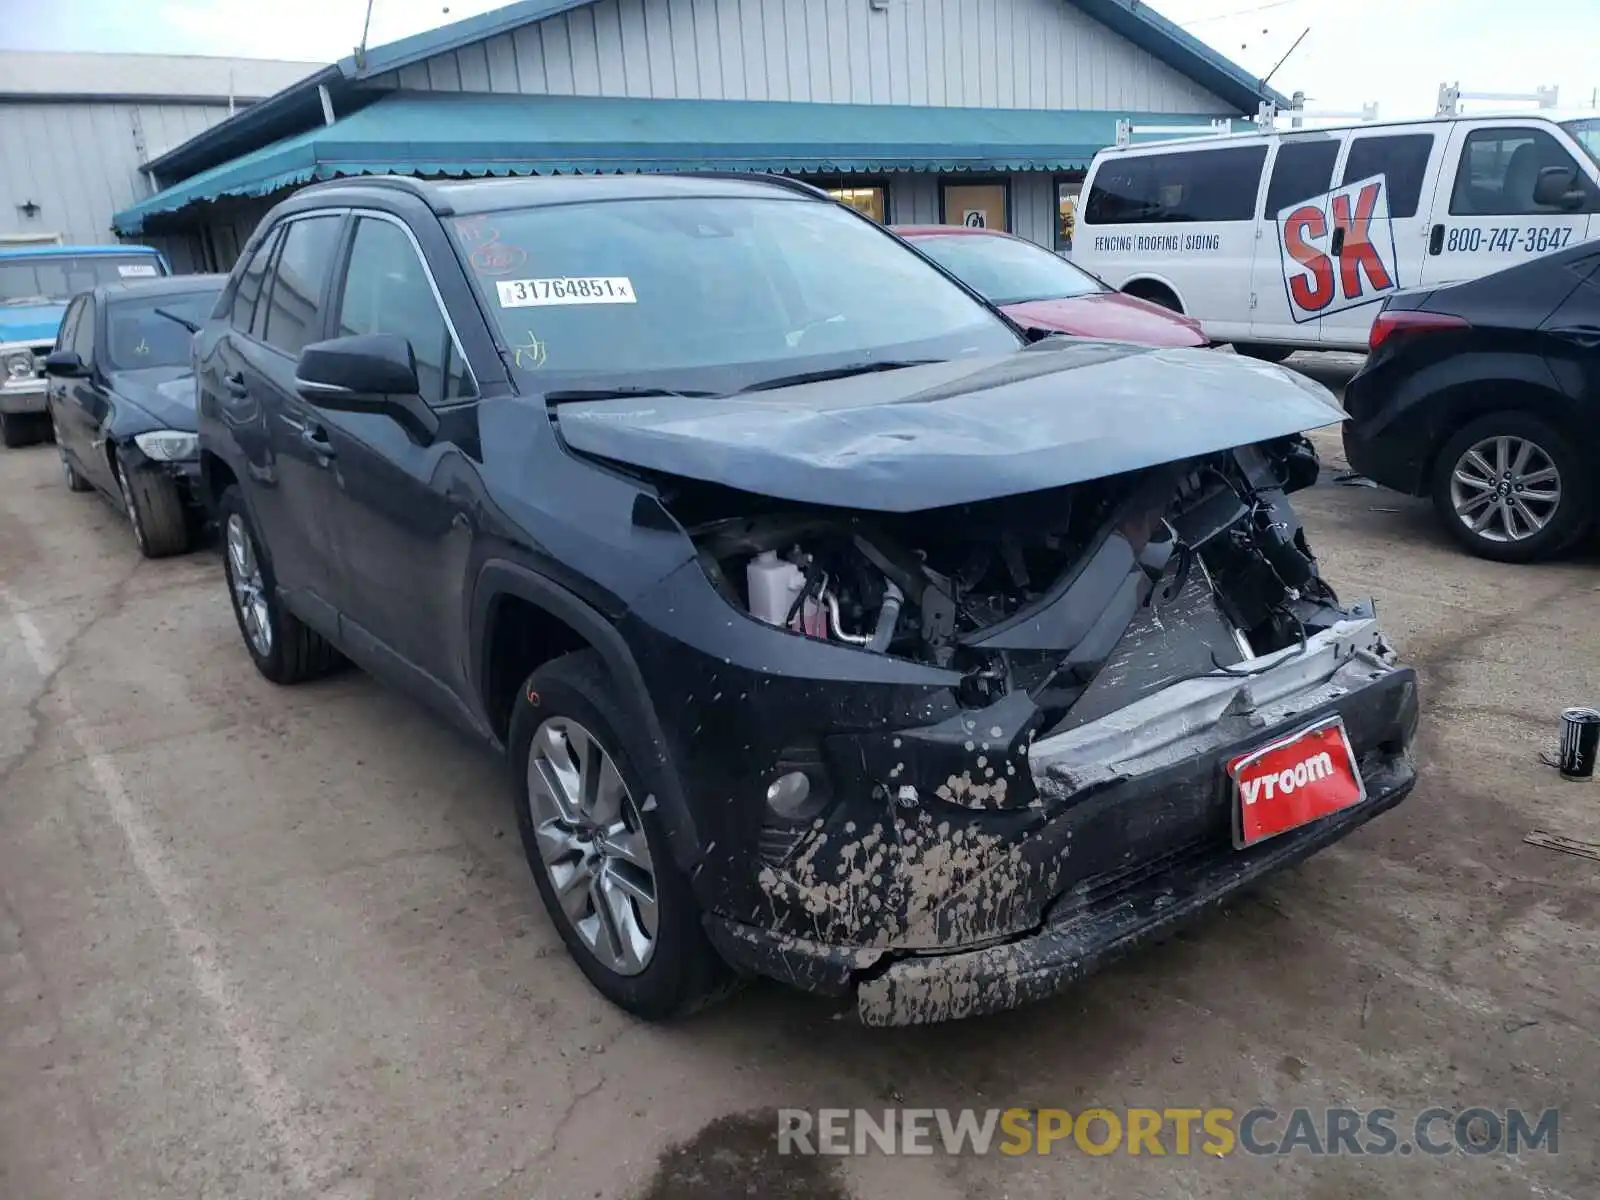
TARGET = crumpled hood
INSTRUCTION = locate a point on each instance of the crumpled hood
(30, 322)
(1108, 315)
(166, 394)
(959, 432)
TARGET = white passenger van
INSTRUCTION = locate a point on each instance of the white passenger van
(1287, 240)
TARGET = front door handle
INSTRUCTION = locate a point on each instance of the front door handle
(1436, 240)
(316, 440)
(236, 385)
(1585, 336)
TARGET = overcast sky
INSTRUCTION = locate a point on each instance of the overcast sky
(1395, 52)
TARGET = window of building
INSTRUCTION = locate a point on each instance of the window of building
(873, 201)
(976, 205)
(386, 290)
(1303, 169)
(1499, 169)
(1401, 158)
(298, 276)
(1068, 192)
(1194, 185)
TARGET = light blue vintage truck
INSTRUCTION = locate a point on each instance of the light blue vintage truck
(36, 281)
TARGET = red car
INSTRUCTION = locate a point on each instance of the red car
(1041, 290)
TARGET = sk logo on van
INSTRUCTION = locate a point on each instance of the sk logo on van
(1320, 282)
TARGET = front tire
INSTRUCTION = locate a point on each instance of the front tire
(1263, 351)
(155, 511)
(1512, 487)
(284, 648)
(596, 847)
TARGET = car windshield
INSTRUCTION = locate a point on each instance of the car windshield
(1587, 133)
(55, 279)
(1005, 270)
(137, 336)
(712, 295)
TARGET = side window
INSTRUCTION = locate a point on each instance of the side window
(83, 332)
(1499, 168)
(1303, 169)
(298, 274)
(1199, 185)
(69, 323)
(1401, 158)
(249, 290)
(386, 290)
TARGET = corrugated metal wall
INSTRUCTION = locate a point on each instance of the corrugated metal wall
(977, 53)
(79, 162)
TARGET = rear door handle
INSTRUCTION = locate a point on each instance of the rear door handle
(1586, 336)
(1338, 241)
(316, 440)
(235, 384)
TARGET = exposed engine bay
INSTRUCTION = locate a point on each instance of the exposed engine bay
(1031, 591)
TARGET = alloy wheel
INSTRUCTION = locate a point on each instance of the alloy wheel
(133, 509)
(248, 588)
(593, 845)
(1505, 489)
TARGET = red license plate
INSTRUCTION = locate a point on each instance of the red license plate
(1293, 781)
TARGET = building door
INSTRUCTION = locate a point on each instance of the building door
(976, 205)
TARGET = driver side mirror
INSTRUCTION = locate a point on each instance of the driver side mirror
(1558, 187)
(367, 373)
(64, 363)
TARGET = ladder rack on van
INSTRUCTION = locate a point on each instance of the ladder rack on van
(1268, 115)
(1126, 130)
(1451, 96)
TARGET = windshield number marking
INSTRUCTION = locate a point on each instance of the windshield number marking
(536, 293)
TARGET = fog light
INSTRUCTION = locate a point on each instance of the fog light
(788, 793)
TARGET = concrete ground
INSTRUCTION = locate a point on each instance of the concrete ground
(258, 942)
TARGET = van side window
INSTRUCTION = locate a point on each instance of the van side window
(294, 305)
(1499, 168)
(1401, 158)
(1303, 169)
(386, 290)
(249, 290)
(1197, 185)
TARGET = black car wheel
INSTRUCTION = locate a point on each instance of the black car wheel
(1511, 487)
(283, 648)
(155, 510)
(597, 849)
(75, 481)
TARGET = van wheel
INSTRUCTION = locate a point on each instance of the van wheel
(1263, 351)
(1511, 487)
(1155, 293)
(596, 847)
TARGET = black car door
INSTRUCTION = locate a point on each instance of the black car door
(58, 396)
(400, 520)
(86, 400)
(291, 485)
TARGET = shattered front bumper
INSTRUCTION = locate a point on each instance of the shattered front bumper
(1114, 789)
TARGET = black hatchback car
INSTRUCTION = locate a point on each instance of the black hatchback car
(121, 402)
(833, 632)
(1485, 395)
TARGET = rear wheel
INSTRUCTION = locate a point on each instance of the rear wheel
(596, 847)
(1264, 351)
(75, 481)
(283, 648)
(1511, 487)
(1155, 293)
(155, 510)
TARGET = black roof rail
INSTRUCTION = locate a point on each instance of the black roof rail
(787, 182)
(400, 183)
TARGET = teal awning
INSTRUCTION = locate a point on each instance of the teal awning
(441, 133)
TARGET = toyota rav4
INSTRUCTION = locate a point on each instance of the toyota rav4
(833, 630)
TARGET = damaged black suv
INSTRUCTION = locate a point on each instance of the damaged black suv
(833, 631)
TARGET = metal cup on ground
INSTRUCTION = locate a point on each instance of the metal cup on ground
(1580, 742)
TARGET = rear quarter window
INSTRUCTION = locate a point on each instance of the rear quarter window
(1187, 186)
